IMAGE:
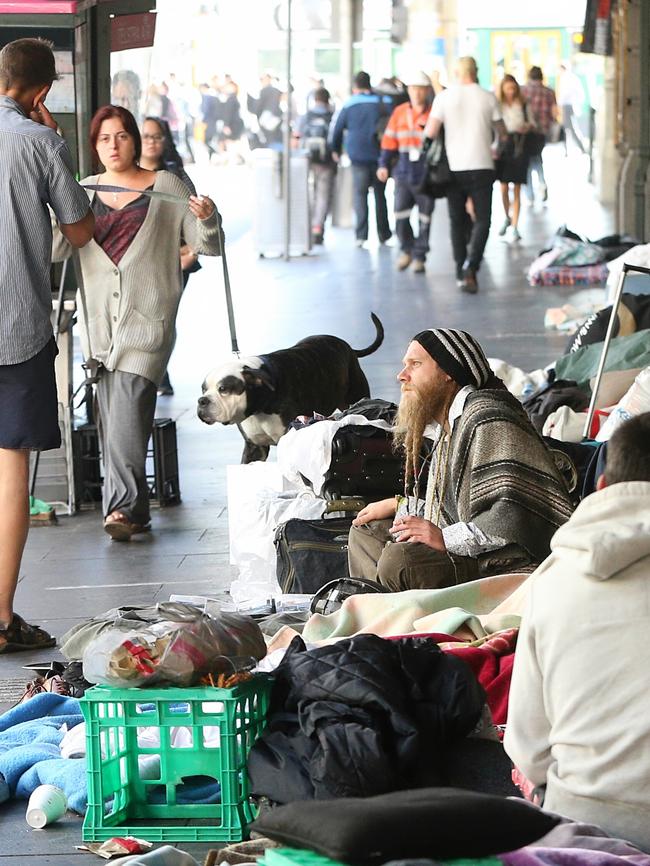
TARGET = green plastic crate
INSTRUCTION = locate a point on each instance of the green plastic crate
(224, 724)
(303, 857)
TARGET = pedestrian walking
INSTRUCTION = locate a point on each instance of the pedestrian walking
(542, 109)
(470, 116)
(512, 164)
(210, 115)
(401, 154)
(570, 97)
(313, 132)
(158, 154)
(359, 120)
(36, 172)
(131, 289)
(268, 110)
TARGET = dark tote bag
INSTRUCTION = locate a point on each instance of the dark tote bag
(437, 174)
(533, 143)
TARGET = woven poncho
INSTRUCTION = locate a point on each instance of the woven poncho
(501, 476)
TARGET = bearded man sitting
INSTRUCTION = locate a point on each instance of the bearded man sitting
(482, 494)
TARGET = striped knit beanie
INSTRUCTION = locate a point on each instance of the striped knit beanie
(458, 354)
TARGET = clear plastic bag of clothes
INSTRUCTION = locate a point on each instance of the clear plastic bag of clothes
(183, 646)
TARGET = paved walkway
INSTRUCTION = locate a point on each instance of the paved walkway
(72, 571)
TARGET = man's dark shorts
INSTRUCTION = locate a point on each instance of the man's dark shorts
(28, 403)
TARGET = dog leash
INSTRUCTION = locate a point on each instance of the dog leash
(177, 199)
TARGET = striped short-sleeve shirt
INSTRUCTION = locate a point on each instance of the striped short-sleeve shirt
(35, 171)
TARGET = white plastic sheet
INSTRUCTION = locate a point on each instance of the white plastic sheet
(259, 499)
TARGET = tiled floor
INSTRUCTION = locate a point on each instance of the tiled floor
(72, 571)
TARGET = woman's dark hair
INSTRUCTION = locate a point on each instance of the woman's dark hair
(170, 158)
(106, 112)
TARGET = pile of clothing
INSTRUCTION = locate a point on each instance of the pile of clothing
(571, 260)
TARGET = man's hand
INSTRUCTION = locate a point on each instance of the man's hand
(376, 511)
(382, 174)
(41, 115)
(336, 156)
(417, 529)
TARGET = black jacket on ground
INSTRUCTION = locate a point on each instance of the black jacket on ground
(360, 717)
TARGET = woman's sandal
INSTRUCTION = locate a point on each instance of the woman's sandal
(120, 528)
(20, 635)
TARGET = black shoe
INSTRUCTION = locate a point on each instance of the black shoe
(317, 238)
(470, 283)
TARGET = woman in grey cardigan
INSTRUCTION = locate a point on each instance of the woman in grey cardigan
(130, 289)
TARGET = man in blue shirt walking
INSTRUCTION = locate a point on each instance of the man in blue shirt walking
(359, 118)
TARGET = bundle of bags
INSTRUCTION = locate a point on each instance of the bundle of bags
(169, 642)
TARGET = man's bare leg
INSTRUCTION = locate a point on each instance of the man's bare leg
(14, 508)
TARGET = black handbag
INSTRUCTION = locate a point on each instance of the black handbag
(437, 174)
(311, 553)
(533, 143)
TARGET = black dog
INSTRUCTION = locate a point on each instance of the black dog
(263, 394)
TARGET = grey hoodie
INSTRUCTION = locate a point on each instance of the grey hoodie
(579, 711)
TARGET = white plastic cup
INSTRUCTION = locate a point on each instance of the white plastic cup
(46, 805)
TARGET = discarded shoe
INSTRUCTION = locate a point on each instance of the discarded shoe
(55, 685)
(20, 636)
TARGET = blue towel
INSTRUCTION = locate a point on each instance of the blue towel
(30, 756)
(29, 749)
(194, 790)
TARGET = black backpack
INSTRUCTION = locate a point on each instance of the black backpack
(316, 129)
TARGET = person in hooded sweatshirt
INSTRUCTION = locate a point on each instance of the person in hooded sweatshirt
(579, 709)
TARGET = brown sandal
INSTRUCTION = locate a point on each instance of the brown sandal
(20, 636)
(120, 528)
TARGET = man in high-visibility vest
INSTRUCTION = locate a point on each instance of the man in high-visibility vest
(401, 156)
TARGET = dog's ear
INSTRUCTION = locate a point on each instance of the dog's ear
(231, 385)
(258, 378)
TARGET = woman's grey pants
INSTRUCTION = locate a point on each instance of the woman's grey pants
(127, 404)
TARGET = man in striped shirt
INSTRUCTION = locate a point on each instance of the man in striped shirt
(35, 171)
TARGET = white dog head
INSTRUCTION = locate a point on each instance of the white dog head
(225, 390)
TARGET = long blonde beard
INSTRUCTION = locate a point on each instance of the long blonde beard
(417, 408)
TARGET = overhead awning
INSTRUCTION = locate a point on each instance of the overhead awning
(44, 7)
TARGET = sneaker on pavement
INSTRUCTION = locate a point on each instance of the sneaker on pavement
(359, 243)
(403, 261)
(512, 235)
(418, 266)
(470, 283)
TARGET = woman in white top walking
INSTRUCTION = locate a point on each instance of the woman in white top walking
(512, 164)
